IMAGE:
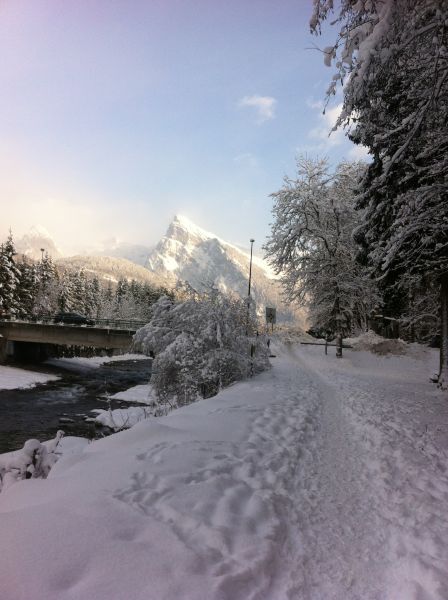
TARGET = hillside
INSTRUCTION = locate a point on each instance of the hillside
(111, 269)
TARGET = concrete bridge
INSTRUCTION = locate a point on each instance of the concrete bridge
(32, 338)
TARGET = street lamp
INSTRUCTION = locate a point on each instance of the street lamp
(248, 291)
(250, 264)
(42, 250)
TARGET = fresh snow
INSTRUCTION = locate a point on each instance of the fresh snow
(121, 418)
(322, 478)
(138, 393)
(12, 378)
(191, 238)
(124, 418)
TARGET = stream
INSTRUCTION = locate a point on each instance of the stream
(40, 411)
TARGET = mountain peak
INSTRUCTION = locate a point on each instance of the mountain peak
(38, 231)
(183, 224)
(189, 253)
(36, 240)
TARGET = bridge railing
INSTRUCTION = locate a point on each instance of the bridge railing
(124, 324)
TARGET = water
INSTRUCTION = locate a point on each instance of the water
(36, 412)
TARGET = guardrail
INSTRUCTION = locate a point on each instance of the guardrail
(125, 324)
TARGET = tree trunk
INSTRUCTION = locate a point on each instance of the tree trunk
(443, 372)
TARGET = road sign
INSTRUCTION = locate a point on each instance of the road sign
(271, 315)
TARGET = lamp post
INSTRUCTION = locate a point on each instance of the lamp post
(248, 291)
(252, 347)
(42, 250)
(250, 265)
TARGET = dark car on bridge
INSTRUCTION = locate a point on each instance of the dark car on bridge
(72, 318)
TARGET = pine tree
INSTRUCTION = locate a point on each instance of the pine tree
(28, 288)
(397, 98)
(46, 301)
(9, 280)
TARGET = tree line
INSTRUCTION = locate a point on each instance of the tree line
(39, 288)
(391, 59)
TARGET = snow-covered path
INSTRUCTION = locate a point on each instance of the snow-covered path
(342, 546)
(321, 479)
(380, 485)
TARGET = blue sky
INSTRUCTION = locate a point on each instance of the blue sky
(115, 115)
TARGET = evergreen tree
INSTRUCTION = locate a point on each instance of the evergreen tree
(46, 301)
(9, 279)
(397, 98)
(28, 287)
(65, 293)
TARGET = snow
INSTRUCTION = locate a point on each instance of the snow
(121, 418)
(173, 253)
(93, 362)
(322, 478)
(13, 378)
(139, 393)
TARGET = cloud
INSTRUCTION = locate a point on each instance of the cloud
(359, 153)
(322, 139)
(322, 132)
(264, 105)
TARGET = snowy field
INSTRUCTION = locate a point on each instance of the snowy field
(12, 378)
(322, 479)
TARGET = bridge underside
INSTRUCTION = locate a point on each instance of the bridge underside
(63, 335)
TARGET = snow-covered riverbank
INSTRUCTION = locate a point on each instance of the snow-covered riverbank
(17, 378)
(12, 378)
(321, 479)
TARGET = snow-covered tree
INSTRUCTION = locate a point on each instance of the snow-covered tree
(66, 297)
(200, 345)
(46, 301)
(311, 245)
(28, 287)
(9, 279)
(396, 98)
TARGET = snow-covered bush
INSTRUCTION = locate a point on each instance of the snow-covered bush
(32, 461)
(200, 345)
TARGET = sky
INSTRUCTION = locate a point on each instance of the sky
(116, 115)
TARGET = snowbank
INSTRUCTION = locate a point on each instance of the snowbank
(36, 458)
(139, 393)
(14, 378)
(377, 344)
(122, 418)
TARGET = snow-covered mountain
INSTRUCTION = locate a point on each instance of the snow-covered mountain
(32, 243)
(201, 258)
(136, 253)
